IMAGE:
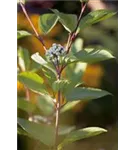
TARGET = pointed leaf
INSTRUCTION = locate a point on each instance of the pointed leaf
(33, 81)
(22, 132)
(82, 93)
(25, 105)
(49, 76)
(91, 55)
(22, 33)
(63, 130)
(40, 60)
(74, 72)
(43, 133)
(68, 106)
(81, 134)
(61, 85)
(24, 59)
(46, 105)
(69, 21)
(47, 22)
(95, 16)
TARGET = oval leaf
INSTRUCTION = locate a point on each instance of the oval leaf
(24, 59)
(22, 33)
(33, 81)
(38, 59)
(81, 134)
(43, 133)
(65, 129)
(47, 22)
(91, 55)
(61, 85)
(68, 106)
(69, 21)
(25, 105)
(95, 16)
(46, 105)
(82, 93)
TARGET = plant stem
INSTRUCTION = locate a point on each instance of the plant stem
(57, 112)
(34, 29)
(74, 33)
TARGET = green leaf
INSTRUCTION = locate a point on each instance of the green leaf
(78, 72)
(81, 134)
(63, 130)
(35, 67)
(61, 85)
(68, 106)
(47, 22)
(95, 17)
(51, 76)
(91, 55)
(46, 105)
(69, 21)
(77, 45)
(25, 105)
(82, 93)
(74, 72)
(43, 133)
(32, 81)
(40, 60)
(22, 33)
(20, 131)
(69, 59)
(23, 59)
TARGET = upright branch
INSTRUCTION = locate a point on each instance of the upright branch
(73, 35)
(57, 115)
(34, 29)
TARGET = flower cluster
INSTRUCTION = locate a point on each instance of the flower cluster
(55, 52)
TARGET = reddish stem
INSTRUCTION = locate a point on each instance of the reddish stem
(34, 29)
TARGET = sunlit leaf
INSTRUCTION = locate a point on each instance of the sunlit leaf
(74, 72)
(68, 106)
(95, 16)
(32, 81)
(22, 33)
(40, 60)
(81, 134)
(91, 55)
(23, 59)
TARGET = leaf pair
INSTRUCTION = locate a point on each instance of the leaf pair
(69, 21)
(46, 133)
(48, 21)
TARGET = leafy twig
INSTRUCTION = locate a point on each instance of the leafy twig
(34, 29)
(74, 33)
